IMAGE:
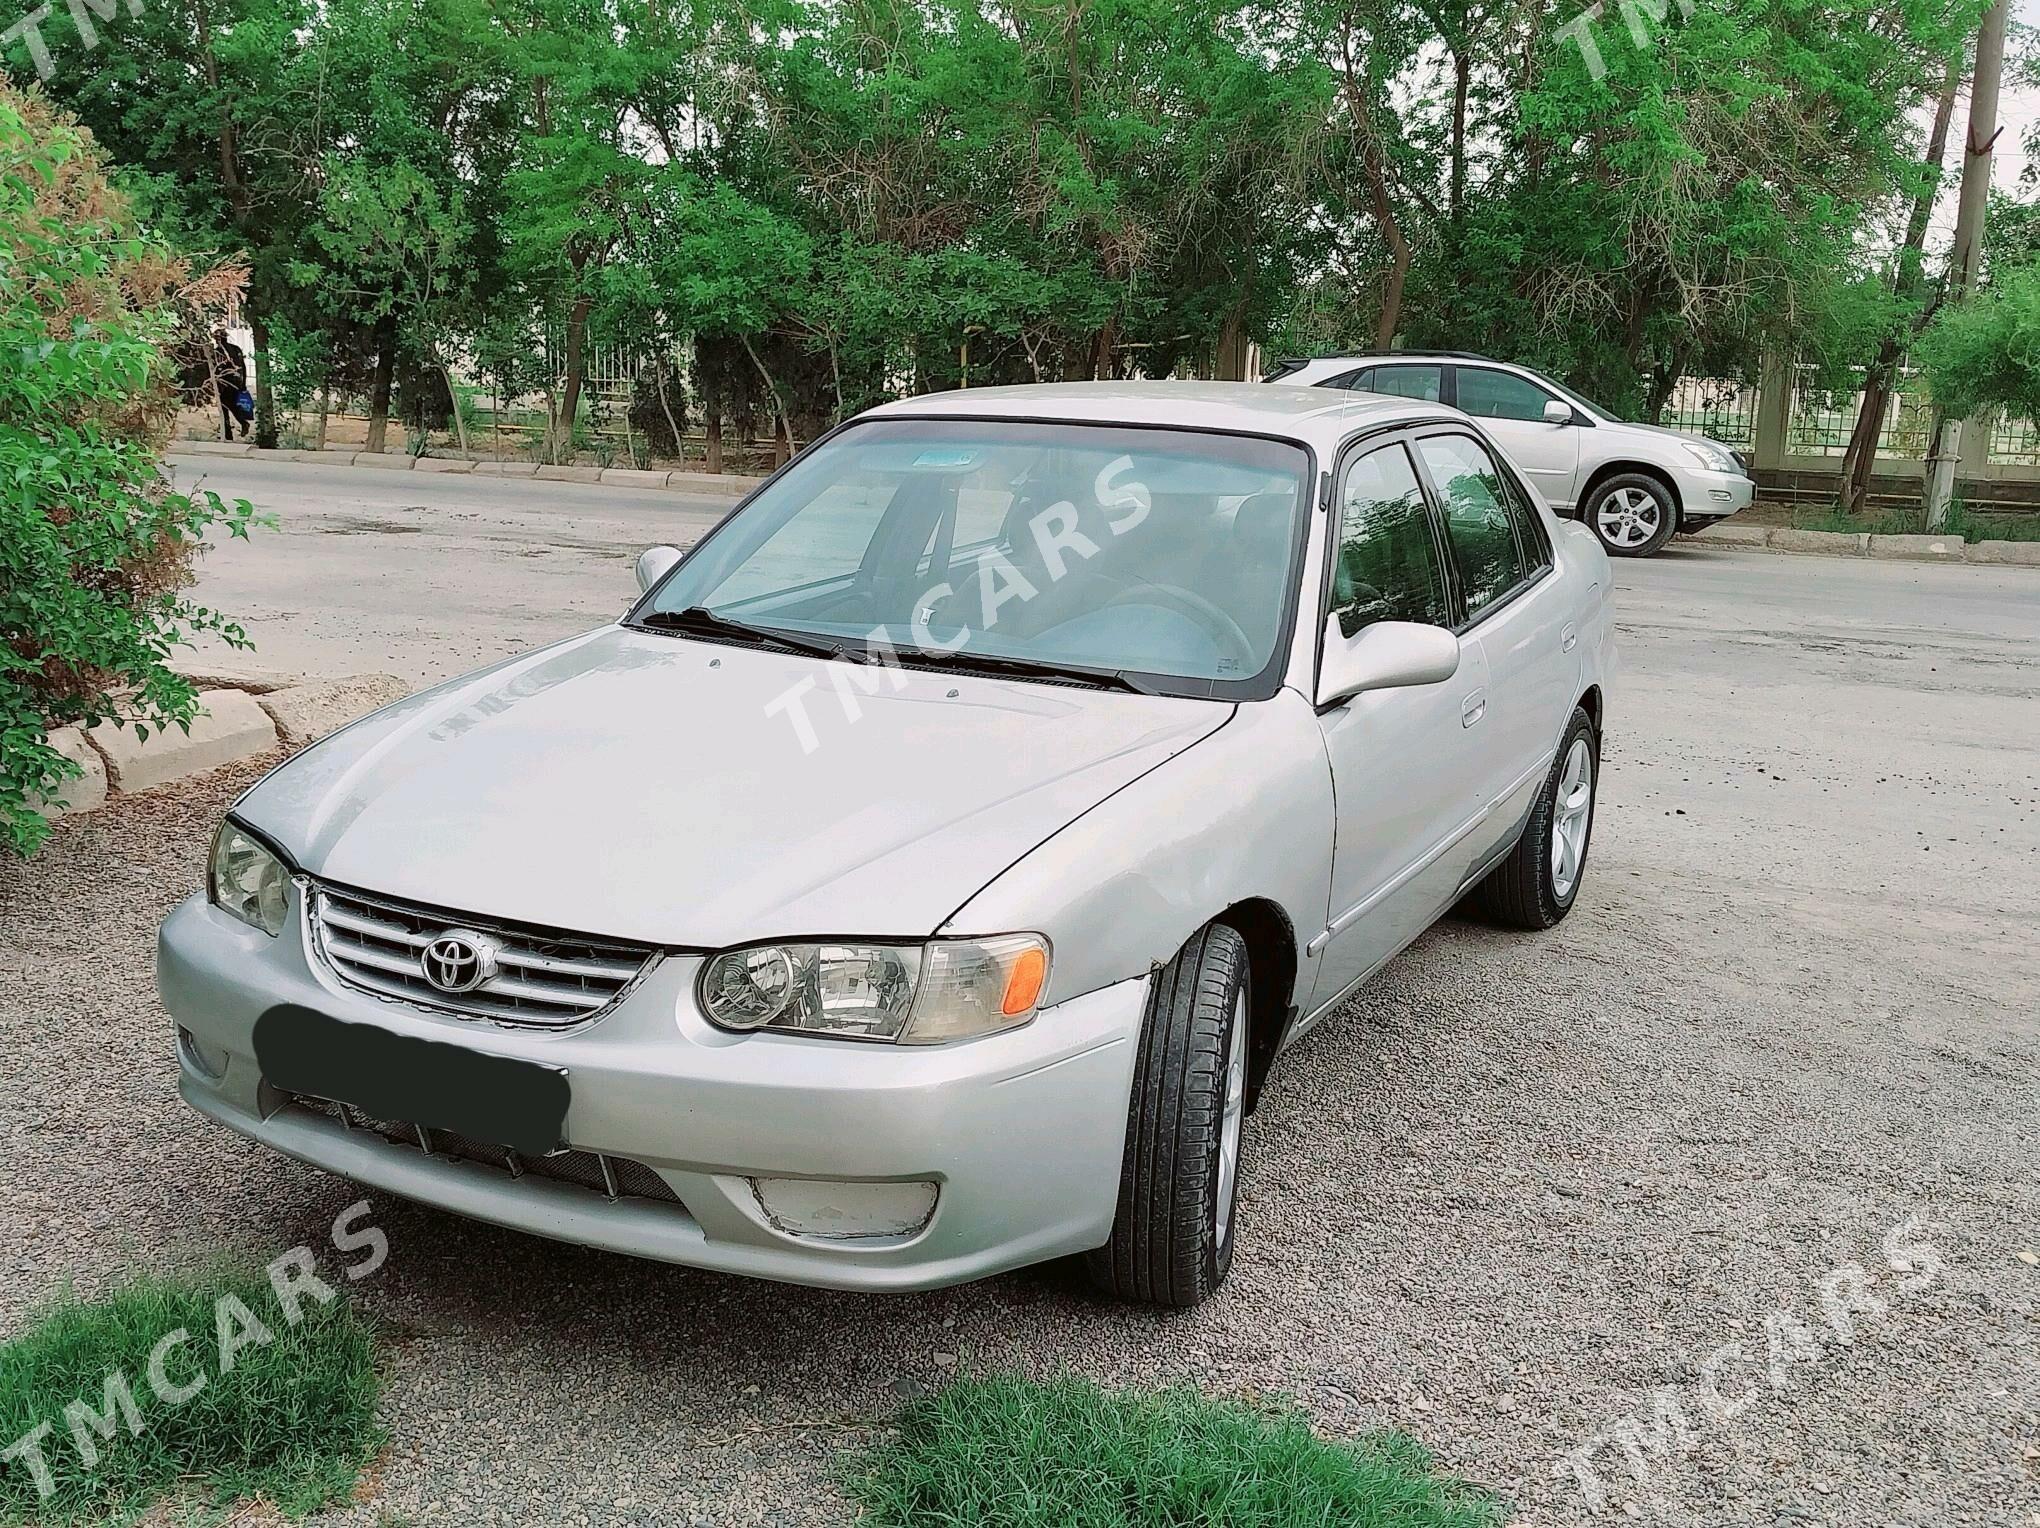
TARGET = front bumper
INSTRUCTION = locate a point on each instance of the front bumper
(1705, 497)
(1021, 1133)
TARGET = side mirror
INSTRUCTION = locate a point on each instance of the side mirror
(654, 563)
(1557, 412)
(1389, 655)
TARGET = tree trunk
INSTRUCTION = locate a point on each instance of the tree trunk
(265, 399)
(715, 441)
(1229, 360)
(379, 388)
(672, 425)
(782, 429)
(453, 402)
(1860, 460)
(325, 412)
(1374, 168)
(561, 448)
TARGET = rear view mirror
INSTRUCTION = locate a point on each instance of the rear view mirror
(653, 564)
(1389, 655)
(1556, 412)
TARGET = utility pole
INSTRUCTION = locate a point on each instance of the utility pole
(1967, 254)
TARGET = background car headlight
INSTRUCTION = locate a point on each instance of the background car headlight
(912, 994)
(246, 880)
(1714, 458)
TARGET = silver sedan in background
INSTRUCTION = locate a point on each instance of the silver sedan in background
(922, 878)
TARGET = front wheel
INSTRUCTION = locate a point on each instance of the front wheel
(1535, 886)
(1633, 514)
(1172, 1235)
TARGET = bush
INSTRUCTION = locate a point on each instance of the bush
(1984, 351)
(93, 545)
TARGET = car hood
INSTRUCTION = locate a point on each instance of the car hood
(655, 788)
(1659, 432)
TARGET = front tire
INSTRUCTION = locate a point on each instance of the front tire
(1633, 514)
(1172, 1235)
(1536, 885)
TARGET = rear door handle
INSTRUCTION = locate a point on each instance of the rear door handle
(1570, 640)
(1473, 708)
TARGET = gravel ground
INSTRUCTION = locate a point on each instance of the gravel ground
(1521, 1185)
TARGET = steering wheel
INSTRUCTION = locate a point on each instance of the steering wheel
(1201, 610)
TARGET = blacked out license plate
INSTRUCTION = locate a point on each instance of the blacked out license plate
(493, 1099)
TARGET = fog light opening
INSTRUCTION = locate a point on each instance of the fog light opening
(829, 1209)
(209, 1061)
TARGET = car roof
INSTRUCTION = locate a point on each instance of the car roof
(1316, 418)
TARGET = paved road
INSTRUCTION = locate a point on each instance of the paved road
(1516, 1190)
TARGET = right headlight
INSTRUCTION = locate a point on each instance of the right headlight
(910, 994)
(245, 880)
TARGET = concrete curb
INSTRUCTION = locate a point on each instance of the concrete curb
(1779, 538)
(233, 725)
(731, 483)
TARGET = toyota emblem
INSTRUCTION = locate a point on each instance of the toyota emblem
(458, 961)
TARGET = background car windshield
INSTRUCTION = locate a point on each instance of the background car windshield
(1164, 553)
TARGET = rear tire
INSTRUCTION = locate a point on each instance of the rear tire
(1633, 514)
(1537, 884)
(1172, 1235)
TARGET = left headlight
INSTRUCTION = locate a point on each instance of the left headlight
(246, 880)
(1714, 458)
(917, 994)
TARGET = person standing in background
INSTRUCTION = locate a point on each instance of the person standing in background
(230, 376)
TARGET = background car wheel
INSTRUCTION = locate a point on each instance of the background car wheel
(1633, 515)
(1535, 886)
(1172, 1237)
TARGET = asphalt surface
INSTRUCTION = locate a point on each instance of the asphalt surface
(1773, 1080)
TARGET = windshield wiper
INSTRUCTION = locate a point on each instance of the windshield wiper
(701, 622)
(1023, 668)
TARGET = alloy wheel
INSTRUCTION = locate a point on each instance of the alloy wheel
(1570, 814)
(1233, 1121)
(1629, 517)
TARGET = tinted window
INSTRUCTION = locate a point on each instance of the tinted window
(1500, 395)
(1388, 568)
(1424, 382)
(1477, 522)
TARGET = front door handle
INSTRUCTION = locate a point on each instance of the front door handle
(1473, 708)
(1570, 639)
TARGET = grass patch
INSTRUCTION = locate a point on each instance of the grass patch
(292, 1420)
(1066, 1454)
(1962, 522)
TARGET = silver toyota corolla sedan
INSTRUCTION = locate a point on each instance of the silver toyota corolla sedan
(924, 875)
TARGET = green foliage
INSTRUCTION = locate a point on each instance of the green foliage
(1984, 351)
(292, 1420)
(92, 544)
(1962, 522)
(1006, 1452)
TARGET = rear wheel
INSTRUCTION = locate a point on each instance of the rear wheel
(1633, 514)
(1172, 1236)
(1535, 886)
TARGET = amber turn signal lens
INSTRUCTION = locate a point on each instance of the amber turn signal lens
(1023, 983)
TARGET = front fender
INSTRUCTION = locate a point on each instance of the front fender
(1244, 813)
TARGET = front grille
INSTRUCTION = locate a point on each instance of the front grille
(542, 978)
(612, 1177)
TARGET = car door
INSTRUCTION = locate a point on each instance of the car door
(1407, 779)
(1511, 409)
(1514, 606)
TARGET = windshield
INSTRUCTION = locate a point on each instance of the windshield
(1161, 554)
